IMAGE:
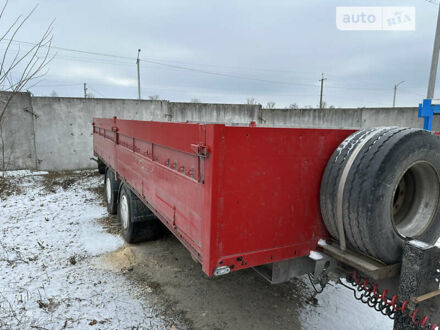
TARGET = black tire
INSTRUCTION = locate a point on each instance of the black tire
(137, 221)
(102, 168)
(390, 190)
(111, 189)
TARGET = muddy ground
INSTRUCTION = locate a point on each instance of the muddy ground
(57, 234)
(241, 300)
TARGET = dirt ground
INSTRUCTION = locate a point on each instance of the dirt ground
(76, 272)
(242, 300)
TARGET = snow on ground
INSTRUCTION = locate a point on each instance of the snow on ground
(337, 303)
(21, 173)
(48, 236)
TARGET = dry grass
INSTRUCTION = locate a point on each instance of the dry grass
(110, 222)
(64, 179)
(9, 186)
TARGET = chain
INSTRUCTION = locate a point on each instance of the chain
(369, 294)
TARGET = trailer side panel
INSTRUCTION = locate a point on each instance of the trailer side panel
(235, 196)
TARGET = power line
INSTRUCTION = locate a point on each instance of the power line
(63, 85)
(73, 50)
(152, 59)
(228, 75)
(181, 90)
(96, 91)
(182, 67)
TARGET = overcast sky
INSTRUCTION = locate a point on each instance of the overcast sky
(268, 50)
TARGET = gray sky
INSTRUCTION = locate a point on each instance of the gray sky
(278, 49)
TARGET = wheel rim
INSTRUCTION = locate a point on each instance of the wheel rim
(415, 200)
(108, 190)
(124, 211)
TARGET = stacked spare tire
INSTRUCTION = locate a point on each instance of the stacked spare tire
(382, 187)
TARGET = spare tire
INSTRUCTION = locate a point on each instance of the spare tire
(384, 184)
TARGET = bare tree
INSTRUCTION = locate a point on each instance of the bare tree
(195, 100)
(153, 97)
(326, 106)
(54, 93)
(293, 106)
(251, 101)
(270, 105)
(24, 68)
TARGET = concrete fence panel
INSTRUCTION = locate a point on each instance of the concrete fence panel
(55, 133)
(17, 142)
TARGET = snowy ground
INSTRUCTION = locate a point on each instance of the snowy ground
(50, 237)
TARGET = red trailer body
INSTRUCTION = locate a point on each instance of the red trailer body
(235, 196)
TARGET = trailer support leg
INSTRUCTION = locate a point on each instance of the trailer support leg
(419, 276)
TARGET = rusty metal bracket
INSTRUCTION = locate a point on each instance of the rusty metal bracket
(200, 150)
(174, 218)
(30, 110)
(422, 298)
(366, 265)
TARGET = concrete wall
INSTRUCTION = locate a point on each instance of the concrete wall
(17, 132)
(328, 118)
(54, 133)
(213, 113)
(64, 131)
(344, 118)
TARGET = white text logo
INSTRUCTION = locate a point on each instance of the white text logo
(376, 18)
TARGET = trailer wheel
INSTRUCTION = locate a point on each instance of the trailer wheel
(101, 167)
(111, 187)
(384, 184)
(138, 222)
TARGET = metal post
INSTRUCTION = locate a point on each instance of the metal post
(395, 92)
(138, 75)
(417, 278)
(322, 90)
(85, 90)
(434, 62)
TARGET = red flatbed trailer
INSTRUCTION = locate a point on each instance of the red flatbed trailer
(240, 197)
(234, 196)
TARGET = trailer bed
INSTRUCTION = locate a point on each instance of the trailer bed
(234, 196)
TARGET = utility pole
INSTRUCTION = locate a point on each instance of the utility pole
(322, 89)
(434, 62)
(395, 91)
(85, 90)
(139, 76)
